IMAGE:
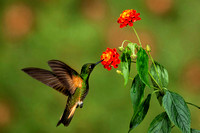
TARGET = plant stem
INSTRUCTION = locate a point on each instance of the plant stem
(154, 91)
(137, 36)
(155, 68)
(129, 77)
(155, 81)
(193, 105)
(155, 88)
(124, 42)
(173, 126)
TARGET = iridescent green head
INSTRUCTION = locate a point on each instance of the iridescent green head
(87, 69)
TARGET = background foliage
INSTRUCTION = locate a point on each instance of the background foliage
(76, 32)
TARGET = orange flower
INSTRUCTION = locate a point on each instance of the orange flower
(128, 17)
(110, 58)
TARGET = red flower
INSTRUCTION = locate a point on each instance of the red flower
(128, 17)
(110, 58)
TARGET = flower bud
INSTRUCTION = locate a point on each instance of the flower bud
(121, 48)
(118, 71)
(148, 48)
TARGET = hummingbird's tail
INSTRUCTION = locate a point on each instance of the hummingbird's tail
(67, 115)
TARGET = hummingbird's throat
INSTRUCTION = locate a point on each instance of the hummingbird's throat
(77, 81)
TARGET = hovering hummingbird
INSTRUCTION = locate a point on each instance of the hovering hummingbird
(67, 81)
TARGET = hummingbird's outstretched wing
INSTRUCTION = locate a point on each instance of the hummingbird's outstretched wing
(67, 76)
(47, 77)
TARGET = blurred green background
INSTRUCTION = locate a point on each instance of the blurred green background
(77, 32)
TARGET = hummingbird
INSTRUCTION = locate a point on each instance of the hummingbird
(67, 81)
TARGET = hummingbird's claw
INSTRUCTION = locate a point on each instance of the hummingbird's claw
(81, 105)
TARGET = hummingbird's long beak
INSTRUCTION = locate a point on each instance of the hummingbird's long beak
(98, 62)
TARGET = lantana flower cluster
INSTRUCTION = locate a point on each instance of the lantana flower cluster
(110, 58)
(128, 17)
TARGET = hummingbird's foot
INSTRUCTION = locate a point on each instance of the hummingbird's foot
(80, 103)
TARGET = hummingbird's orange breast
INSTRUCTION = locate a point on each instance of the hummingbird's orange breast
(77, 81)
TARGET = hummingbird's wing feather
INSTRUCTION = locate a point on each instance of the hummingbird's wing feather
(47, 78)
(65, 74)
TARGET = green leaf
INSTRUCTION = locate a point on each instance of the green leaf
(140, 114)
(194, 131)
(132, 46)
(142, 65)
(161, 124)
(159, 96)
(161, 79)
(177, 111)
(161, 75)
(137, 92)
(126, 64)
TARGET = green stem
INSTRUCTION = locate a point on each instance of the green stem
(155, 92)
(155, 81)
(155, 68)
(173, 126)
(193, 105)
(129, 77)
(124, 42)
(165, 89)
(137, 36)
(155, 88)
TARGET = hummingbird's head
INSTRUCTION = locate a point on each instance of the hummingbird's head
(87, 68)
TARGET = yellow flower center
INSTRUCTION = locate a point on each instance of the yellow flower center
(126, 13)
(107, 56)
